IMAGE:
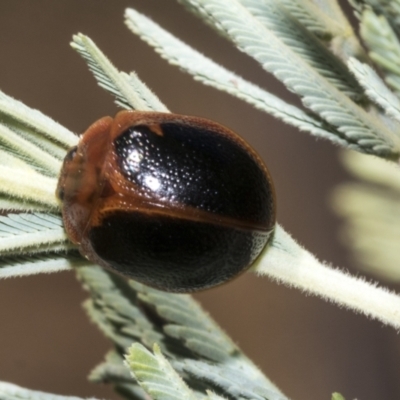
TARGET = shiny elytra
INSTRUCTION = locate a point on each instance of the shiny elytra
(175, 202)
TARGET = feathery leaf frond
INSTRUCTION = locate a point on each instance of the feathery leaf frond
(389, 8)
(124, 313)
(326, 20)
(11, 205)
(22, 234)
(277, 19)
(156, 375)
(15, 113)
(39, 264)
(128, 90)
(111, 370)
(33, 138)
(312, 18)
(235, 381)
(188, 323)
(383, 44)
(353, 124)
(28, 185)
(206, 71)
(376, 89)
(29, 151)
(9, 391)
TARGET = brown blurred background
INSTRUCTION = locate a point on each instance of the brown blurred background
(308, 347)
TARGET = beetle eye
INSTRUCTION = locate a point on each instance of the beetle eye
(71, 153)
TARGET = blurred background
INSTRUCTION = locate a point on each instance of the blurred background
(308, 347)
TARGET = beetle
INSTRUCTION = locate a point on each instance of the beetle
(179, 203)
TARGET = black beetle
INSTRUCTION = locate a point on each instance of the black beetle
(176, 202)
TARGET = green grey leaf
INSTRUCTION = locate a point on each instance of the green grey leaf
(28, 185)
(15, 113)
(36, 264)
(138, 313)
(29, 151)
(9, 391)
(188, 323)
(11, 205)
(49, 146)
(361, 131)
(383, 44)
(29, 233)
(337, 396)
(389, 8)
(376, 90)
(115, 310)
(206, 71)
(328, 22)
(213, 396)
(156, 375)
(129, 91)
(111, 370)
(325, 19)
(276, 18)
(234, 380)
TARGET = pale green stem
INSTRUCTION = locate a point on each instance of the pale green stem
(287, 262)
